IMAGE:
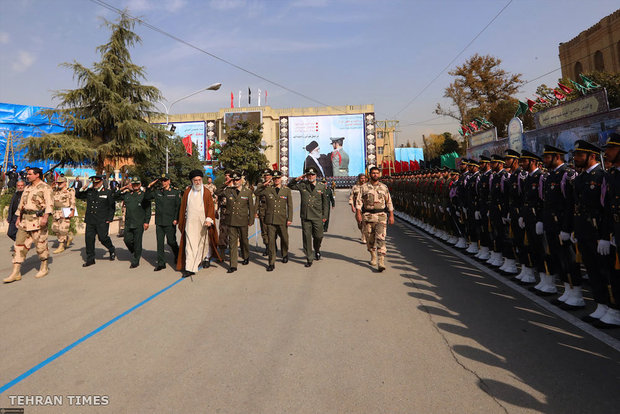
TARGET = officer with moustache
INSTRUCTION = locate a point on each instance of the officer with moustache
(137, 218)
(167, 205)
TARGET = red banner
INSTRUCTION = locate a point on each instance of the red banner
(187, 143)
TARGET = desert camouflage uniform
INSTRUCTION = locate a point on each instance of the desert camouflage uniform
(35, 202)
(353, 197)
(64, 198)
(375, 202)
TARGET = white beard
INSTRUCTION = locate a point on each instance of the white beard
(196, 187)
(315, 155)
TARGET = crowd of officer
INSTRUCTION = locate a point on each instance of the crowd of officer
(532, 216)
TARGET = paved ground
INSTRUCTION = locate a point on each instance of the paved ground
(432, 334)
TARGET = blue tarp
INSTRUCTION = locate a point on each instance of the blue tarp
(409, 154)
(24, 121)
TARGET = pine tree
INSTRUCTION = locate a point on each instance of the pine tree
(106, 117)
(243, 150)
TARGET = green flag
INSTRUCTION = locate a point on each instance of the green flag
(523, 108)
(590, 84)
(582, 89)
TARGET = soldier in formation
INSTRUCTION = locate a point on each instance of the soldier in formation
(64, 210)
(531, 216)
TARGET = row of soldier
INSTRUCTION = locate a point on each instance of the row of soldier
(233, 204)
(533, 217)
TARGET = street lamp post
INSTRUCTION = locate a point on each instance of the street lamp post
(213, 87)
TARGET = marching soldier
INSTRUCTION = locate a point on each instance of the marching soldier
(611, 319)
(262, 207)
(329, 193)
(100, 207)
(278, 215)
(592, 236)
(223, 215)
(240, 209)
(353, 196)
(375, 209)
(137, 218)
(313, 212)
(64, 209)
(167, 205)
(33, 211)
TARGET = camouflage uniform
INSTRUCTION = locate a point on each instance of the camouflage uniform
(64, 198)
(353, 197)
(35, 202)
(375, 202)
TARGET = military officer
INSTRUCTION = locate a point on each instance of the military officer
(262, 207)
(470, 205)
(167, 204)
(329, 192)
(240, 215)
(313, 212)
(137, 218)
(592, 235)
(64, 209)
(611, 318)
(481, 206)
(355, 192)
(222, 214)
(33, 211)
(512, 210)
(278, 215)
(100, 207)
(375, 209)
(339, 158)
(496, 196)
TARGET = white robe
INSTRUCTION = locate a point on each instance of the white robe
(197, 246)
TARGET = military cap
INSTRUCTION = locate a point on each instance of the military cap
(311, 146)
(512, 154)
(530, 156)
(581, 145)
(310, 170)
(474, 163)
(267, 171)
(484, 158)
(497, 158)
(236, 175)
(95, 177)
(136, 180)
(549, 149)
(61, 179)
(277, 174)
(336, 139)
(465, 161)
(164, 176)
(612, 140)
(228, 172)
(195, 173)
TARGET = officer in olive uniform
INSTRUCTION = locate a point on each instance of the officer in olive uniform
(167, 205)
(223, 216)
(313, 212)
(262, 207)
(240, 205)
(329, 192)
(137, 218)
(100, 206)
(278, 215)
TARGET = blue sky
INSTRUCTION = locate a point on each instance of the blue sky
(337, 52)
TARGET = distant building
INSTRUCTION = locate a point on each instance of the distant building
(594, 49)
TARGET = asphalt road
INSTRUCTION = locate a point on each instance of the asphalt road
(434, 333)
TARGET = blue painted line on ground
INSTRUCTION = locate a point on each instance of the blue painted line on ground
(82, 339)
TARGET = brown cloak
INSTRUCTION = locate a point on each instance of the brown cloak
(207, 199)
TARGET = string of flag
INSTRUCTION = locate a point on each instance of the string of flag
(232, 98)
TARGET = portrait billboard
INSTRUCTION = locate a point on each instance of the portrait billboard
(196, 131)
(333, 144)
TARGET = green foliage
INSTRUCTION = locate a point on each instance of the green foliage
(107, 115)
(179, 164)
(243, 150)
(5, 200)
(450, 145)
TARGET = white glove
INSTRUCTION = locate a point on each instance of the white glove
(564, 236)
(573, 239)
(505, 220)
(603, 247)
(465, 210)
(458, 214)
(539, 227)
(521, 222)
(508, 217)
(441, 209)
(488, 214)
(448, 209)
(613, 241)
(477, 215)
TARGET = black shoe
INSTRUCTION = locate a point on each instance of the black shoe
(231, 269)
(604, 325)
(158, 268)
(589, 319)
(567, 307)
(245, 261)
(317, 255)
(285, 259)
(308, 263)
(206, 264)
(88, 263)
(112, 256)
(133, 265)
(270, 268)
(188, 274)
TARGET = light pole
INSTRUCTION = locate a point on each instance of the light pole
(213, 87)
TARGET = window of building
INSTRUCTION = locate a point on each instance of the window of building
(578, 70)
(599, 64)
(379, 134)
(380, 150)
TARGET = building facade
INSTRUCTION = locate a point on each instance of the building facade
(595, 49)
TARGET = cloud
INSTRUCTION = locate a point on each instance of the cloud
(146, 5)
(227, 4)
(24, 61)
(4, 37)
